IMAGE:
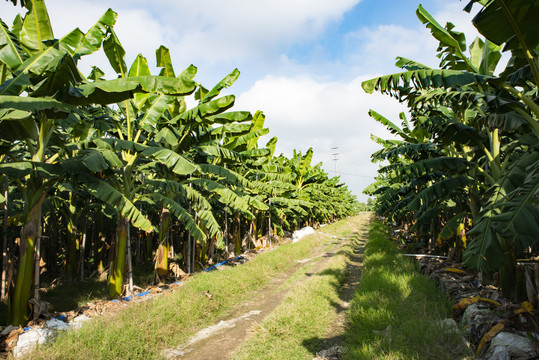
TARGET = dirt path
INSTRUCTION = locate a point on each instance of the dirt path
(220, 340)
(335, 334)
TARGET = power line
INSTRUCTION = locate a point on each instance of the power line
(365, 176)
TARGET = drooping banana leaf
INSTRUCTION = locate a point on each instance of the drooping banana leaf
(246, 139)
(20, 169)
(174, 161)
(231, 117)
(231, 177)
(47, 60)
(422, 79)
(220, 152)
(115, 53)
(443, 189)
(106, 193)
(116, 90)
(225, 195)
(181, 214)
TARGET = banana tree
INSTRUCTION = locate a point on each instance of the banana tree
(38, 75)
(479, 118)
(121, 154)
(54, 94)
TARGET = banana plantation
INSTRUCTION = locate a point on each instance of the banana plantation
(102, 174)
(461, 176)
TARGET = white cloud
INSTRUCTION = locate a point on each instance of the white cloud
(378, 47)
(216, 31)
(305, 112)
(240, 29)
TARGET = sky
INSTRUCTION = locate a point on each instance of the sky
(301, 61)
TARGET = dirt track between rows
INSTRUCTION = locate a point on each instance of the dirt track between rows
(220, 340)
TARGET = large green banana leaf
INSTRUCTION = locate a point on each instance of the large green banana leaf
(226, 82)
(11, 52)
(213, 107)
(443, 189)
(21, 169)
(116, 90)
(226, 196)
(164, 61)
(181, 214)
(494, 23)
(230, 176)
(422, 79)
(106, 193)
(47, 60)
(36, 27)
(177, 163)
(231, 117)
(79, 44)
(220, 152)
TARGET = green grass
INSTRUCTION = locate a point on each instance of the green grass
(296, 329)
(396, 311)
(143, 330)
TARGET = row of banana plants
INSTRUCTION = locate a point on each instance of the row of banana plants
(462, 174)
(89, 164)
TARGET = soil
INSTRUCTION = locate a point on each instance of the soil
(215, 343)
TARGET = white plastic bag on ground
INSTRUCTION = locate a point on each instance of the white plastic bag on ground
(57, 324)
(79, 320)
(299, 234)
(28, 340)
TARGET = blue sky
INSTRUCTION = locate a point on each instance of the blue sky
(301, 61)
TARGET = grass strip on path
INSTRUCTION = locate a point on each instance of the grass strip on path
(297, 327)
(396, 311)
(143, 330)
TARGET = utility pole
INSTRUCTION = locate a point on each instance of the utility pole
(335, 158)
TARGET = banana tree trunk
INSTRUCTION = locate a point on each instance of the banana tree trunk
(189, 249)
(18, 312)
(269, 222)
(237, 235)
(194, 247)
(71, 253)
(129, 262)
(161, 258)
(37, 267)
(225, 232)
(4, 243)
(72, 233)
(507, 273)
(117, 269)
(83, 249)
